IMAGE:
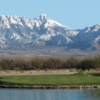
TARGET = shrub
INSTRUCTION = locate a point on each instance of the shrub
(1, 68)
(70, 63)
(87, 63)
(37, 63)
(6, 64)
(97, 62)
(71, 70)
(16, 69)
(52, 63)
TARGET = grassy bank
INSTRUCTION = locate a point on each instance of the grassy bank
(53, 80)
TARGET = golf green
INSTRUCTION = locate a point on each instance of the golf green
(52, 80)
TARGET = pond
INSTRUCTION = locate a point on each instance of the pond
(49, 94)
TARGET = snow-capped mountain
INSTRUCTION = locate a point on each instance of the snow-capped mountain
(43, 31)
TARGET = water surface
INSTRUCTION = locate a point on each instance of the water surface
(50, 94)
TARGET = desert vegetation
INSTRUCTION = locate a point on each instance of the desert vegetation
(50, 63)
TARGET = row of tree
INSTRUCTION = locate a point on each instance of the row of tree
(50, 63)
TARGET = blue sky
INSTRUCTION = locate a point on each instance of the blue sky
(76, 14)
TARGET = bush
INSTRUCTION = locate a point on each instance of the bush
(52, 63)
(37, 63)
(97, 65)
(1, 68)
(87, 63)
(23, 65)
(70, 63)
(16, 69)
(6, 64)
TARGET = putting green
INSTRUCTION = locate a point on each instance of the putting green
(74, 79)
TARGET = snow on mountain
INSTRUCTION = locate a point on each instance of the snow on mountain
(45, 31)
(97, 39)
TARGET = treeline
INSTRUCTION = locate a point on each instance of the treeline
(50, 63)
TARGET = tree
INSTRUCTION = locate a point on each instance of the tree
(37, 63)
(87, 63)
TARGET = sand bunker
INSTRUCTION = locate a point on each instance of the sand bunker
(36, 72)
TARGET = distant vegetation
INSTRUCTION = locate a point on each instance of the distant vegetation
(50, 63)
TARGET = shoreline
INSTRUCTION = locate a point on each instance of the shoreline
(49, 87)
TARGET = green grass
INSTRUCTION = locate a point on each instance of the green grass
(53, 80)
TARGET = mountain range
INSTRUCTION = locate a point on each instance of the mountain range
(22, 33)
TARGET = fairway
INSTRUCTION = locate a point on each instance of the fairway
(53, 80)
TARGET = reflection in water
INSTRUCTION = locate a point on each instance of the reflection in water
(56, 94)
